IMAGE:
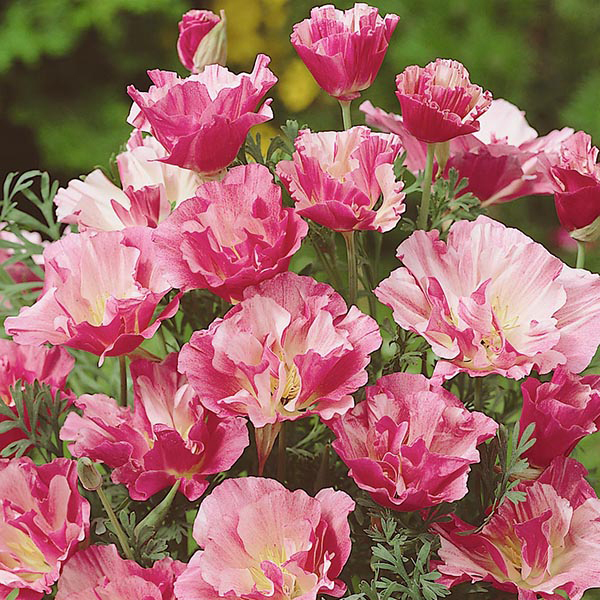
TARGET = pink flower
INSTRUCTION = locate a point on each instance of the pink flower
(261, 541)
(100, 294)
(577, 187)
(42, 520)
(337, 178)
(202, 40)
(547, 542)
(291, 348)
(99, 572)
(168, 437)
(344, 49)
(410, 443)
(564, 411)
(203, 120)
(232, 234)
(490, 300)
(150, 187)
(439, 102)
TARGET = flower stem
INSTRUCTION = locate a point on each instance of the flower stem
(281, 454)
(352, 266)
(580, 255)
(115, 522)
(424, 210)
(123, 374)
(346, 114)
(478, 393)
(157, 515)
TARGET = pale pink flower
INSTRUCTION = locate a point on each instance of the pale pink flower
(202, 40)
(203, 120)
(337, 179)
(548, 542)
(100, 294)
(410, 444)
(344, 49)
(290, 349)
(169, 436)
(232, 234)
(261, 541)
(42, 520)
(564, 410)
(99, 572)
(150, 187)
(491, 300)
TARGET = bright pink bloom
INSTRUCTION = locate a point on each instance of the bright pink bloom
(547, 542)
(232, 234)
(344, 49)
(100, 294)
(564, 411)
(203, 120)
(337, 178)
(577, 187)
(169, 436)
(99, 572)
(291, 348)
(491, 300)
(202, 40)
(42, 520)
(439, 102)
(261, 541)
(410, 443)
(150, 187)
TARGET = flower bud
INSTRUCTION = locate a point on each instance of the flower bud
(202, 40)
(88, 475)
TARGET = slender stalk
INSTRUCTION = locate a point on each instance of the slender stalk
(580, 254)
(478, 393)
(346, 114)
(123, 374)
(331, 271)
(352, 266)
(281, 454)
(157, 515)
(113, 519)
(424, 210)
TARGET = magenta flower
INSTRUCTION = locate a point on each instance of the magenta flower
(291, 348)
(168, 437)
(439, 102)
(547, 542)
(232, 234)
(99, 572)
(261, 541)
(42, 520)
(202, 40)
(100, 294)
(577, 187)
(564, 411)
(337, 178)
(203, 120)
(491, 300)
(344, 49)
(150, 187)
(410, 443)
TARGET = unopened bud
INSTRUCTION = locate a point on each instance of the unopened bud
(202, 40)
(88, 474)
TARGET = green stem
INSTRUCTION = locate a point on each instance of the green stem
(346, 114)
(580, 254)
(352, 266)
(424, 210)
(281, 454)
(113, 519)
(331, 271)
(478, 393)
(157, 515)
(123, 375)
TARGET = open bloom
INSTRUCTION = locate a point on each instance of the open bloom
(577, 187)
(564, 411)
(203, 120)
(548, 542)
(42, 520)
(337, 178)
(439, 102)
(168, 437)
(232, 234)
(410, 443)
(150, 187)
(291, 348)
(344, 49)
(202, 40)
(261, 541)
(100, 293)
(491, 300)
(99, 572)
